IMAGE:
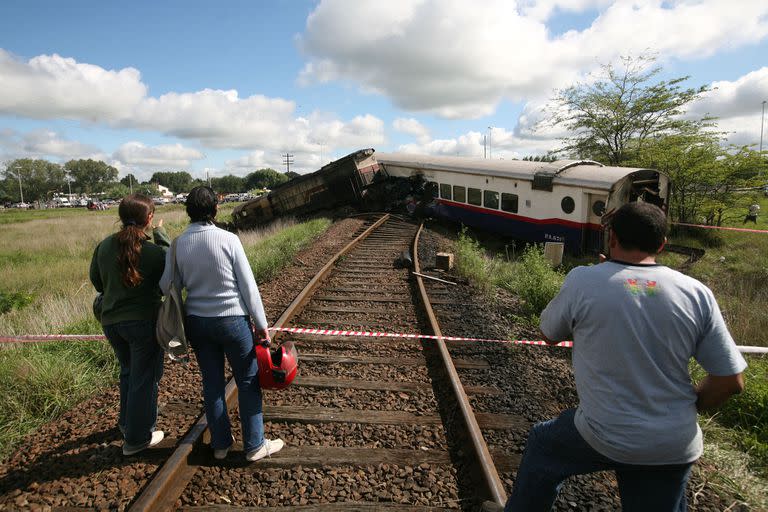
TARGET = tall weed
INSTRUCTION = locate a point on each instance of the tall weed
(530, 277)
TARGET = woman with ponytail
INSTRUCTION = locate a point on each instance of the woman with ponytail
(126, 267)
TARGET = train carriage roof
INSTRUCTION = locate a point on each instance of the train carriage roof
(585, 173)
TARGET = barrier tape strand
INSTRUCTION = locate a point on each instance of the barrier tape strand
(724, 228)
(37, 338)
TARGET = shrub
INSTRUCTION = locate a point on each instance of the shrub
(13, 300)
(534, 280)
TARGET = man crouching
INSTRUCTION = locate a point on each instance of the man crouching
(635, 325)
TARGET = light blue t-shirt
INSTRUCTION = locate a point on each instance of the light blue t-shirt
(635, 328)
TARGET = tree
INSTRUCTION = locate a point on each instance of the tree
(613, 117)
(118, 190)
(265, 178)
(176, 181)
(708, 181)
(129, 181)
(39, 179)
(228, 184)
(90, 175)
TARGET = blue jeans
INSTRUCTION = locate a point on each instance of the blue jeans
(141, 367)
(555, 450)
(213, 338)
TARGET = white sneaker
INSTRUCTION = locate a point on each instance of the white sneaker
(157, 436)
(269, 447)
(221, 453)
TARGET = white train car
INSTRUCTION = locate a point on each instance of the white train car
(563, 201)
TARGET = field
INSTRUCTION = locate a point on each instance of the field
(44, 260)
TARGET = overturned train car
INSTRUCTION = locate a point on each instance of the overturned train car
(564, 201)
(340, 183)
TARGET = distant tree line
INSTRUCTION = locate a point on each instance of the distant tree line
(41, 179)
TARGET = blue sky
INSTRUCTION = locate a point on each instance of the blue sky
(189, 85)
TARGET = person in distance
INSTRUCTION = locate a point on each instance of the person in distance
(126, 267)
(222, 299)
(635, 325)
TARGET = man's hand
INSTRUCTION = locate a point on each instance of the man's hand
(159, 224)
(602, 258)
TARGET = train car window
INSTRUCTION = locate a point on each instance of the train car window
(598, 208)
(475, 196)
(431, 189)
(491, 199)
(459, 194)
(509, 202)
(567, 204)
(445, 191)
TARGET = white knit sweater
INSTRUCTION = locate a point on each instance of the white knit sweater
(212, 266)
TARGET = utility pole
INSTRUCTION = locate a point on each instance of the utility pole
(490, 134)
(287, 160)
(130, 183)
(762, 122)
(485, 146)
(18, 175)
(208, 177)
(69, 187)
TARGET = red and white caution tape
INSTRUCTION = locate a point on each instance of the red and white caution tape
(35, 338)
(744, 230)
(369, 334)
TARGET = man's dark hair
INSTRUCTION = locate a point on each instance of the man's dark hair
(640, 226)
(201, 204)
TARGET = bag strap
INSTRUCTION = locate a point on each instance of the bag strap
(173, 261)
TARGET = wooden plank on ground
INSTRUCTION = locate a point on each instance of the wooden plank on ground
(291, 413)
(311, 415)
(345, 506)
(377, 385)
(475, 364)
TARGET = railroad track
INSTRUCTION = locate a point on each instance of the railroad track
(368, 424)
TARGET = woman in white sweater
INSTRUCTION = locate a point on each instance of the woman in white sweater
(221, 297)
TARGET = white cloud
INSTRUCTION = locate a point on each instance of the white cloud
(458, 59)
(50, 86)
(173, 156)
(497, 143)
(43, 144)
(737, 105)
(412, 127)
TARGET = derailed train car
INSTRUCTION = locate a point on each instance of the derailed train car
(563, 201)
(341, 182)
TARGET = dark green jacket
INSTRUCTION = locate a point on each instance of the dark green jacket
(120, 302)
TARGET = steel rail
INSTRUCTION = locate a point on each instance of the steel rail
(170, 481)
(490, 476)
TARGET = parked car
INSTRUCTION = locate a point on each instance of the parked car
(21, 205)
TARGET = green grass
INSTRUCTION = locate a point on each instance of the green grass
(530, 276)
(41, 381)
(44, 261)
(269, 254)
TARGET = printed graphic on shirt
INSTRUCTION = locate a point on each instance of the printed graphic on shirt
(637, 287)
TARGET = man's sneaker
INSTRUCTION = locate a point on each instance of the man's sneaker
(221, 453)
(269, 447)
(157, 436)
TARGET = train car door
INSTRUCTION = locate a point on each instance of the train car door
(593, 231)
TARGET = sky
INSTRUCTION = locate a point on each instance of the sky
(216, 88)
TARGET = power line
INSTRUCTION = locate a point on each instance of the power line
(287, 161)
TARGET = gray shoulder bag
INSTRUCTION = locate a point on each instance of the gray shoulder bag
(169, 330)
